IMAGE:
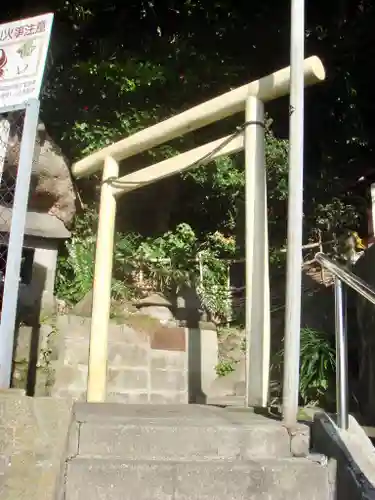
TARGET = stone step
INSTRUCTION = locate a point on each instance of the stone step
(286, 479)
(148, 432)
(226, 400)
(4, 469)
(183, 442)
(116, 412)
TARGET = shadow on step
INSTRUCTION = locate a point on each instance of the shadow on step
(29, 346)
(196, 393)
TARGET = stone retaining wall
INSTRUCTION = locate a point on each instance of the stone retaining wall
(31, 359)
(142, 367)
(147, 362)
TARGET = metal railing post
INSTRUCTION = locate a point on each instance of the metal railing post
(341, 356)
(97, 374)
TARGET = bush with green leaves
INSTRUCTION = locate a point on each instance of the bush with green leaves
(317, 366)
(172, 261)
(223, 368)
(75, 266)
(168, 261)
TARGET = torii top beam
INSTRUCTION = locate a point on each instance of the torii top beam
(266, 89)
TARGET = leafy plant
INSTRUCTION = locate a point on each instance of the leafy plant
(167, 262)
(219, 189)
(75, 266)
(75, 272)
(213, 289)
(177, 258)
(317, 365)
(335, 215)
(225, 367)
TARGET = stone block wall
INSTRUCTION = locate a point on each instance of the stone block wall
(31, 357)
(148, 362)
(142, 367)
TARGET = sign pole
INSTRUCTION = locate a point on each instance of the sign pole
(23, 51)
(17, 231)
(4, 137)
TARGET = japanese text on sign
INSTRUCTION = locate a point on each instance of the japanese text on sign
(7, 34)
(23, 51)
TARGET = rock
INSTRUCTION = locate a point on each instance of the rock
(231, 344)
(122, 308)
(156, 306)
(163, 314)
(155, 299)
(62, 306)
(51, 188)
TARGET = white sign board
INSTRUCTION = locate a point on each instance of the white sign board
(23, 52)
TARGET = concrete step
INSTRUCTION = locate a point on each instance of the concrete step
(143, 432)
(183, 442)
(226, 400)
(4, 464)
(286, 479)
(4, 468)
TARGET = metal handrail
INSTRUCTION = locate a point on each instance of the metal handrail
(342, 275)
(349, 278)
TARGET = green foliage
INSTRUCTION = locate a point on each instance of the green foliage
(219, 189)
(75, 268)
(277, 151)
(185, 54)
(168, 262)
(213, 290)
(116, 85)
(224, 368)
(171, 261)
(335, 216)
(103, 83)
(317, 365)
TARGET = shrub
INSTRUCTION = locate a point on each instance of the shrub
(317, 365)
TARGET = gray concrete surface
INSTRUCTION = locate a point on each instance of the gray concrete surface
(286, 479)
(174, 442)
(186, 452)
(205, 434)
(149, 452)
(34, 434)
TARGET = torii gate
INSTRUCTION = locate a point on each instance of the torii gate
(248, 98)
